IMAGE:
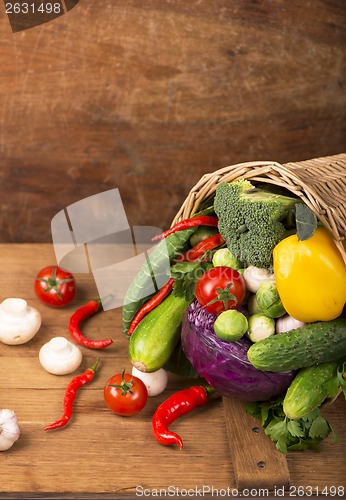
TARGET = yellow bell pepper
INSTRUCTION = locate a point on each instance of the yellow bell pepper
(310, 277)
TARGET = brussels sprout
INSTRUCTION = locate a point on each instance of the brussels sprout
(260, 327)
(230, 325)
(223, 257)
(268, 300)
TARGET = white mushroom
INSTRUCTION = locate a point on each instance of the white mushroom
(254, 276)
(18, 321)
(9, 429)
(59, 356)
(155, 382)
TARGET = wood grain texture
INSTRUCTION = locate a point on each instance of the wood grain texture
(148, 96)
(254, 456)
(101, 455)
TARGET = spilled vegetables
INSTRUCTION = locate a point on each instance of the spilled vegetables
(237, 329)
(225, 312)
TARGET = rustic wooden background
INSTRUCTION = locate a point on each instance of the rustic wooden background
(146, 96)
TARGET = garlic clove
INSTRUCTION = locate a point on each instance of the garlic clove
(59, 356)
(9, 429)
(19, 322)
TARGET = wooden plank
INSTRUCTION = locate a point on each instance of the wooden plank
(254, 456)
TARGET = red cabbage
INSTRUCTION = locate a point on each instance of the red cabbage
(224, 365)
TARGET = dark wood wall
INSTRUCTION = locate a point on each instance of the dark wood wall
(148, 95)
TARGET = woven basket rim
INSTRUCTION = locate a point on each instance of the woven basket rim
(319, 182)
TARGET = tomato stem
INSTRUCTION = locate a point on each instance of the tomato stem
(224, 295)
(125, 387)
(53, 283)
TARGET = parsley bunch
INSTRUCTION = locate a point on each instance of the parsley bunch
(305, 433)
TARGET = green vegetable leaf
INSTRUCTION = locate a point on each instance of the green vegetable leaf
(265, 414)
(308, 419)
(183, 267)
(306, 221)
(295, 429)
(187, 277)
(305, 433)
(281, 445)
(319, 428)
(277, 429)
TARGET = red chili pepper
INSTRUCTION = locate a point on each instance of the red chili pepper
(175, 406)
(201, 248)
(151, 304)
(83, 313)
(200, 220)
(70, 395)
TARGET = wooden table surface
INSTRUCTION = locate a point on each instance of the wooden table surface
(147, 96)
(100, 454)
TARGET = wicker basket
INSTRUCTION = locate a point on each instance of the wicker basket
(320, 183)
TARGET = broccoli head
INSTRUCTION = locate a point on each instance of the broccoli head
(252, 221)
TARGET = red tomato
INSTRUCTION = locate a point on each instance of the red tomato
(55, 286)
(125, 394)
(220, 288)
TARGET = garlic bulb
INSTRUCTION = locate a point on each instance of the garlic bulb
(59, 356)
(9, 429)
(287, 323)
(18, 321)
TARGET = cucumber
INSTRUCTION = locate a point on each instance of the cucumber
(157, 335)
(309, 345)
(309, 389)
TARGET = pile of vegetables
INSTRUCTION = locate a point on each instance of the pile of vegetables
(253, 304)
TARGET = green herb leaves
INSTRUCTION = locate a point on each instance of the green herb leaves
(186, 275)
(302, 434)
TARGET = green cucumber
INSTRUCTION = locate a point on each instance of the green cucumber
(309, 345)
(157, 335)
(309, 389)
